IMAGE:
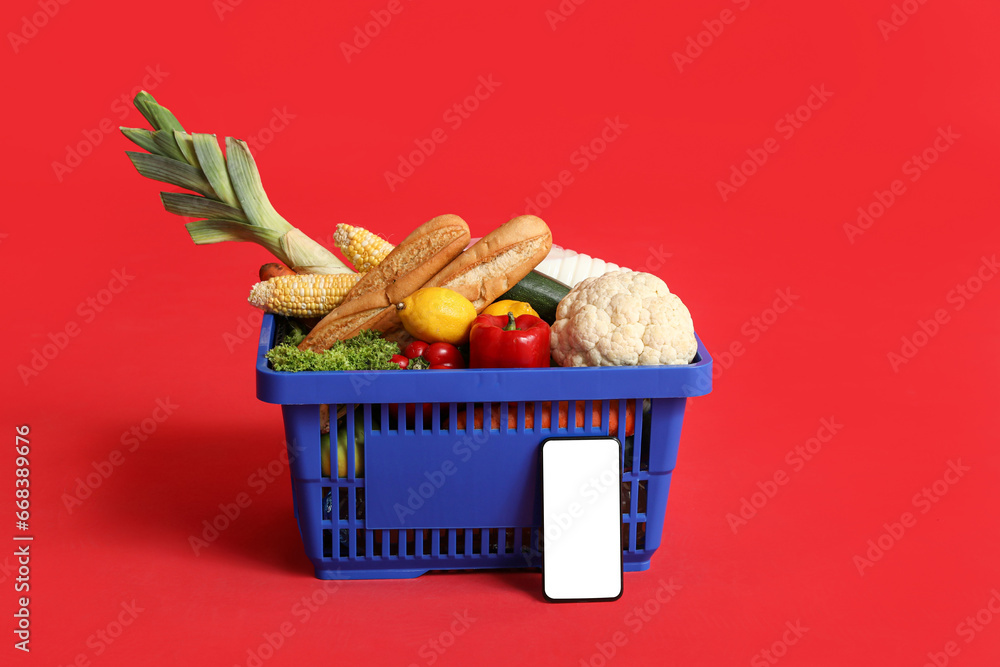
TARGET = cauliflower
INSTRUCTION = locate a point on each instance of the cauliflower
(622, 318)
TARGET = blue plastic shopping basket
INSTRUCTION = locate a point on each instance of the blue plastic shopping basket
(450, 476)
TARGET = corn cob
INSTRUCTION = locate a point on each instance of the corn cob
(306, 295)
(362, 248)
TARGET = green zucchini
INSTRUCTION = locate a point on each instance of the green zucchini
(542, 292)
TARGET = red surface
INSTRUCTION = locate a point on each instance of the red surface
(178, 331)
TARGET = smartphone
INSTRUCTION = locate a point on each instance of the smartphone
(581, 519)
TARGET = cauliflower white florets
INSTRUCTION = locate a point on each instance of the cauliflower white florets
(623, 318)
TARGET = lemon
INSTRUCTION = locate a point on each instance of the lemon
(501, 308)
(437, 315)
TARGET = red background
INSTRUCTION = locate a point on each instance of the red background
(653, 190)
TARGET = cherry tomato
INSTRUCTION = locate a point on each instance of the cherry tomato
(401, 360)
(415, 349)
(443, 366)
(444, 353)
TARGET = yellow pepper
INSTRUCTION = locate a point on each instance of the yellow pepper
(501, 308)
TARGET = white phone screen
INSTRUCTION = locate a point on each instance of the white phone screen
(581, 519)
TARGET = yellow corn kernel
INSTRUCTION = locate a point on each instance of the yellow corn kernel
(362, 248)
(305, 295)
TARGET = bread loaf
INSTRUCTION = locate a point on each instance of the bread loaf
(497, 261)
(371, 302)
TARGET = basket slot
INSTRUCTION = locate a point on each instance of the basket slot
(640, 507)
(642, 426)
(470, 542)
(621, 422)
(493, 541)
(640, 536)
(358, 543)
(327, 503)
(349, 428)
(394, 539)
(327, 543)
(358, 505)
(342, 503)
(442, 542)
(588, 417)
(324, 418)
(628, 541)
(505, 417)
(370, 544)
(520, 417)
(410, 543)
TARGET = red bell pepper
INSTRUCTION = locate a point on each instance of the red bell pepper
(506, 342)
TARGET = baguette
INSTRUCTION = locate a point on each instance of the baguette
(370, 304)
(497, 261)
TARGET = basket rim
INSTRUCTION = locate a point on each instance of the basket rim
(476, 385)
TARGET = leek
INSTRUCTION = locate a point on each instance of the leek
(230, 199)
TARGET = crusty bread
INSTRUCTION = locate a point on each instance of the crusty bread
(371, 302)
(497, 261)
